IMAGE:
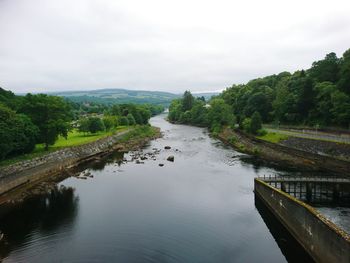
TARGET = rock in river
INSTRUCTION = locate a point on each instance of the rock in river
(171, 158)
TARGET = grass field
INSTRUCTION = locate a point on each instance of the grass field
(74, 138)
(273, 137)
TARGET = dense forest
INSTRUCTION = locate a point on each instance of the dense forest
(40, 119)
(318, 96)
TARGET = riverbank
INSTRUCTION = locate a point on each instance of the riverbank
(54, 163)
(280, 155)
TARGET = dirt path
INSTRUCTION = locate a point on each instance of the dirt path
(323, 136)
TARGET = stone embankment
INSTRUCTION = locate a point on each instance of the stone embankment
(333, 149)
(282, 155)
(53, 163)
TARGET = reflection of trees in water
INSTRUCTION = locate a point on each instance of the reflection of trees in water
(115, 157)
(44, 214)
(289, 246)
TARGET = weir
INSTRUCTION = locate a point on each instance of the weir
(325, 190)
(323, 240)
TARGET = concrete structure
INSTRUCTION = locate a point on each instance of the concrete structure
(313, 189)
(322, 239)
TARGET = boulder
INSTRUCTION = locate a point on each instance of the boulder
(161, 164)
(167, 147)
(171, 158)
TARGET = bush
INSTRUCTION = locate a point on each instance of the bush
(246, 125)
(261, 132)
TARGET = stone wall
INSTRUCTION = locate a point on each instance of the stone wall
(62, 155)
(323, 240)
(24, 172)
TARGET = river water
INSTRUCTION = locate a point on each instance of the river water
(199, 208)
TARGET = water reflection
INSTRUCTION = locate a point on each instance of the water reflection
(44, 214)
(290, 248)
(115, 157)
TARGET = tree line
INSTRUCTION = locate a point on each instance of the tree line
(40, 119)
(318, 96)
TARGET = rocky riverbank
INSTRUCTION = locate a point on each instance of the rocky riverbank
(61, 162)
(333, 149)
(283, 155)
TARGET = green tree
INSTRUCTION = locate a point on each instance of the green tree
(341, 108)
(109, 122)
(95, 124)
(123, 121)
(131, 119)
(326, 69)
(344, 74)
(256, 123)
(187, 101)
(17, 134)
(50, 114)
(219, 113)
(83, 125)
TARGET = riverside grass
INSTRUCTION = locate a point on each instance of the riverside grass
(273, 137)
(74, 138)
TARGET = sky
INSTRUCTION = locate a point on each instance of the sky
(61, 45)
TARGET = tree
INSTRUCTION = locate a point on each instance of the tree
(131, 119)
(95, 124)
(199, 114)
(187, 101)
(83, 125)
(50, 114)
(344, 74)
(123, 121)
(115, 110)
(260, 102)
(256, 123)
(322, 114)
(219, 113)
(17, 134)
(109, 122)
(326, 69)
(341, 108)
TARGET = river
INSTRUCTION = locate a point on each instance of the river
(199, 208)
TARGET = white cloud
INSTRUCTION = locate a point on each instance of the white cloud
(162, 45)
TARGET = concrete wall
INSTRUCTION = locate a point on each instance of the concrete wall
(290, 156)
(323, 240)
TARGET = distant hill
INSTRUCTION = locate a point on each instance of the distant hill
(109, 96)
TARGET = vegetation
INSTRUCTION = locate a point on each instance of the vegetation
(74, 138)
(273, 137)
(50, 114)
(195, 111)
(319, 96)
(32, 120)
(119, 96)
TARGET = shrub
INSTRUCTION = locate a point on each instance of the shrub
(246, 125)
(261, 132)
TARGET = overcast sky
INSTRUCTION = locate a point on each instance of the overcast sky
(162, 45)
